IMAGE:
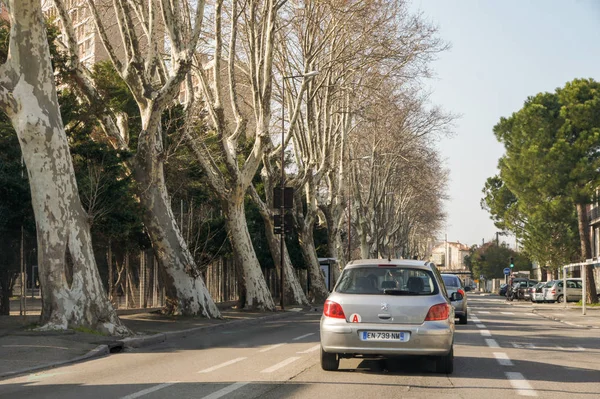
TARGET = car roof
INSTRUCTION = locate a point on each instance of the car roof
(421, 264)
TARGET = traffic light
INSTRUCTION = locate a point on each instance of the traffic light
(512, 262)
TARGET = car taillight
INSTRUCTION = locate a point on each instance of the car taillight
(333, 309)
(461, 292)
(441, 311)
(553, 291)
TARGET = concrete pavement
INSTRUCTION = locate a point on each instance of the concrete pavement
(23, 350)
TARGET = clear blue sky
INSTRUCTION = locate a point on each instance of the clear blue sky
(502, 52)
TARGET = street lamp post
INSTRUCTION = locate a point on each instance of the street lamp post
(282, 208)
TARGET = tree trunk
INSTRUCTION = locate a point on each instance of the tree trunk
(4, 293)
(334, 244)
(318, 290)
(185, 290)
(586, 252)
(293, 293)
(256, 292)
(63, 233)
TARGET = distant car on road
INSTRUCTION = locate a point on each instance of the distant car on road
(381, 308)
(454, 284)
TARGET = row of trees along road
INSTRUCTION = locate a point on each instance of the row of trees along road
(549, 175)
(230, 60)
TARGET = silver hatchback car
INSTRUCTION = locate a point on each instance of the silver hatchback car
(383, 308)
(454, 284)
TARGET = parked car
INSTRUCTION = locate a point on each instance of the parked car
(553, 292)
(454, 284)
(521, 289)
(502, 290)
(537, 292)
(381, 308)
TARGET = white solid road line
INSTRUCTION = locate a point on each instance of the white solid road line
(268, 348)
(148, 390)
(485, 333)
(280, 365)
(520, 384)
(225, 391)
(208, 370)
(314, 348)
(491, 343)
(503, 359)
(302, 336)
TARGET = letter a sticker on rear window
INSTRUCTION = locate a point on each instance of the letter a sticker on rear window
(355, 318)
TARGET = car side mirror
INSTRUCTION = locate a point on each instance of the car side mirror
(455, 296)
(467, 289)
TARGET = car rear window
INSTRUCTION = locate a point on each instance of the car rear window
(451, 281)
(387, 280)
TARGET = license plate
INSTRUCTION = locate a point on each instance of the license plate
(384, 336)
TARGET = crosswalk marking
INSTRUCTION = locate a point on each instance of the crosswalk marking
(485, 333)
(491, 343)
(483, 312)
(506, 313)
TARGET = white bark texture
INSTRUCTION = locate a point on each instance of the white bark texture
(256, 292)
(228, 174)
(72, 292)
(143, 27)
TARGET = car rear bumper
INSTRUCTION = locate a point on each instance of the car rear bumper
(429, 338)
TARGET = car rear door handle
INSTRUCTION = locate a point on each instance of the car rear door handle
(385, 316)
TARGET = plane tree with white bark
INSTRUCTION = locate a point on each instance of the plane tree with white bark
(158, 40)
(72, 291)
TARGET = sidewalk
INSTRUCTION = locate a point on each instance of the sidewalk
(23, 350)
(570, 316)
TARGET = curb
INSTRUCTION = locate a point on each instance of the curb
(139, 342)
(550, 317)
(99, 351)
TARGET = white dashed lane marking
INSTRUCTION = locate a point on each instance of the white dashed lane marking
(148, 390)
(227, 390)
(280, 365)
(485, 333)
(268, 348)
(208, 370)
(491, 343)
(518, 381)
(314, 348)
(503, 359)
(302, 336)
(483, 312)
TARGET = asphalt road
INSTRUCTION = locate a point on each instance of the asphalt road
(504, 351)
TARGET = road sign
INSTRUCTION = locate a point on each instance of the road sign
(507, 271)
